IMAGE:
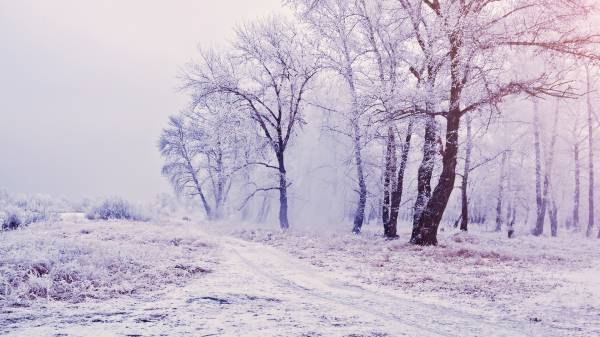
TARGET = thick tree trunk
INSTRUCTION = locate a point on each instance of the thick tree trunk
(590, 112)
(396, 198)
(539, 199)
(426, 233)
(465, 179)
(425, 171)
(283, 200)
(500, 197)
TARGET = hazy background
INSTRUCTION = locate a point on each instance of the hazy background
(86, 87)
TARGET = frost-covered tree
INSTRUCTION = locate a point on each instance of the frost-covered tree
(181, 155)
(480, 36)
(336, 24)
(205, 147)
(267, 73)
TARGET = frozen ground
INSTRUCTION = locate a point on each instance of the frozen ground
(263, 283)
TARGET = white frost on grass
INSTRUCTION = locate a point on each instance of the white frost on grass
(75, 260)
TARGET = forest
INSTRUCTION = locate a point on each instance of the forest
(424, 112)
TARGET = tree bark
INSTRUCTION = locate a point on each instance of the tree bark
(539, 199)
(553, 214)
(283, 199)
(553, 211)
(590, 112)
(389, 172)
(359, 215)
(426, 233)
(500, 197)
(425, 171)
(465, 179)
(396, 198)
(577, 191)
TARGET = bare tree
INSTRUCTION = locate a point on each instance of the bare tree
(268, 74)
(176, 147)
(549, 193)
(590, 113)
(465, 177)
(500, 197)
(336, 23)
(540, 178)
(576, 139)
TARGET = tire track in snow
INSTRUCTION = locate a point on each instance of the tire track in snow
(402, 315)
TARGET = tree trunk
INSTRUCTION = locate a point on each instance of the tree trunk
(399, 185)
(426, 233)
(389, 172)
(590, 112)
(577, 192)
(283, 200)
(539, 199)
(425, 171)
(220, 185)
(511, 221)
(359, 215)
(500, 193)
(553, 211)
(207, 208)
(465, 179)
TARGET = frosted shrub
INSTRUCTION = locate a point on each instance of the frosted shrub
(10, 218)
(72, 262)
(13, 217)
(23, 210)
(115, 208)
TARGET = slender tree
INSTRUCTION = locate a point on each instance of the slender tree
(590, 121)
(465, 178)
(540, 199)
(500, 195)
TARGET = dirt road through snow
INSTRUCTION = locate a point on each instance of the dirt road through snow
(257, 290)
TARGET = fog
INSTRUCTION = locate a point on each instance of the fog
(87, 86)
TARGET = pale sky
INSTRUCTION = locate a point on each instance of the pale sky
(87, 86)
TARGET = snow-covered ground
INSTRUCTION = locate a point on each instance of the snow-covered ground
(256, 282)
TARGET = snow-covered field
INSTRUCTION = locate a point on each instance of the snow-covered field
(95, 278)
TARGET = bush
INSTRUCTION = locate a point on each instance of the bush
(13, 217)
(115, 208)
(10, 219)
(65, 262)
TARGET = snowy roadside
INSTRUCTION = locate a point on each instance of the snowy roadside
(297, 284)
(547, 282)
